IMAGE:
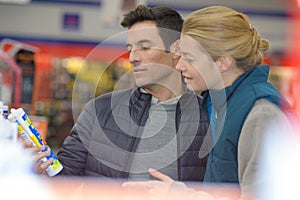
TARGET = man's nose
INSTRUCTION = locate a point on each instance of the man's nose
(134, 57)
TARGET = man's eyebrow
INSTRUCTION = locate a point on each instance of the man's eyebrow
(144, 41)
(139, 42)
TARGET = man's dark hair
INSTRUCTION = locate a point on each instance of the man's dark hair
(166, 19)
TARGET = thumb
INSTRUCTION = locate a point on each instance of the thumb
(160, 176)
(27, 144)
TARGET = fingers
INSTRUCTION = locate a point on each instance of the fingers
(41, 167)
(27, 144)
(39, 156)
(46, 164)
(41, 163)
(160, 176)
(154, 189)
(137, 185)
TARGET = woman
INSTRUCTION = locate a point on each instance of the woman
(221, 54)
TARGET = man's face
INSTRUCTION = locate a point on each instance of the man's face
(151, 64)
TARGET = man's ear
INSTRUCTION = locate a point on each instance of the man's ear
(224, 63)
(175, 49)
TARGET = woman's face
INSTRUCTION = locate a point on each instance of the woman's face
(198, 69)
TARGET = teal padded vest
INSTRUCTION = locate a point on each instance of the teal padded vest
(222, 164)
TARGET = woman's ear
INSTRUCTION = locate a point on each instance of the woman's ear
(224, 63)
(175, 49)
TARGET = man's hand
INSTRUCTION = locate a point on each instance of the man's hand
(40, 167)
(156, 189)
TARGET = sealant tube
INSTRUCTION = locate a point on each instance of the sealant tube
(25, 126)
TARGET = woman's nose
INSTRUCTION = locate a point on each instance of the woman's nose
(180, 65)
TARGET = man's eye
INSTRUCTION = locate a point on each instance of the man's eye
(145, 47)
(129, 49)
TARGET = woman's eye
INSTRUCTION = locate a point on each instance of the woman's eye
(189, 60)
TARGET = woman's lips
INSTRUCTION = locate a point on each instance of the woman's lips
(187, 79)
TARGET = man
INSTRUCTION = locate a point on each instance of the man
(153, 125)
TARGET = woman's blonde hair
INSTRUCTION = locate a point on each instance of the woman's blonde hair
(222, 31)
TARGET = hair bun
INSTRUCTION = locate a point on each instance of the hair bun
(263, 45)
